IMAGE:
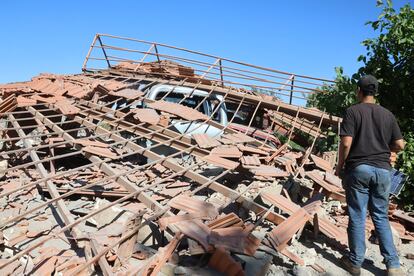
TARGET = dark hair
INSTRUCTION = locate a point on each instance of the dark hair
(368, 92)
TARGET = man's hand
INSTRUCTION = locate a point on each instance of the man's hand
(344, 148)
(393, 158)
(339, 172)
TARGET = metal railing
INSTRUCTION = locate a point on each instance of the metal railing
(106, 51)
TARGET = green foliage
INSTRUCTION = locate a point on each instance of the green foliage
(335, 98)
(405, 163)
(330, 143)
(390, 57)
(283, 139)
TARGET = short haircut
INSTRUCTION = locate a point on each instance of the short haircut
(368, 85)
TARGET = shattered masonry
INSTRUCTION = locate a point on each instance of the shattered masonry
(97, 177)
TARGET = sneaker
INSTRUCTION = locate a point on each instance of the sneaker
(351, 268)
(395, 272)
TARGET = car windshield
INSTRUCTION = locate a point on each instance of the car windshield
(193, 102)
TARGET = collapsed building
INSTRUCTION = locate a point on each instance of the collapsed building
(177, 160)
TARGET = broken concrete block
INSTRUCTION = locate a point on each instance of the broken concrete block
(3, 168)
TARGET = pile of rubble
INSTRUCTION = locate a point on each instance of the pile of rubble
(96, 178)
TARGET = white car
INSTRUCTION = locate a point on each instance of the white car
(193, 98)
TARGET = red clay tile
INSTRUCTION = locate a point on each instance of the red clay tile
(8, 104)
(193, 205)
(196, 230)
(332, 190)
(105, 152)
(280, 202)
(293, 257)
(226, 152)
(238, 138)
(235, 239)
(333, 231)
(204, 141)
(276, 153)
(222, 261)
(165, 221)
(404, 217)
(66, 107)
(322, 164)
(333, 179)
(178, 184)
(87, 142)
(153, 267)
(250, 161)
(46, 268)
(269, 171)
(179, 110)
(253, 150)
(146, 115)
(221, 162)
(282, 233)
(227, 220)
(127, 93)
(23, 101)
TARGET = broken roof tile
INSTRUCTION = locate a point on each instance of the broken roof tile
(280, 202)
(105, 152)
(8, 104)
(235, 239)
(87, 142)
(321, 163)
(193, 205)
(165, 221)
(24, 101)
(49, 100)
(332, 190)
(270, 171)
(66, 107)
(226, 151)
(178, 184)
(333, 231)
(127, 93)
(333, 179)
(250, 161)
(404, 217)
(222, 261)
(251, 149)
(153, 267)
(205, 141)
(179, 110)
(238, 137)
(146, 115)
(227, 220)
(282, 233)
(221, 162)
(196, 230)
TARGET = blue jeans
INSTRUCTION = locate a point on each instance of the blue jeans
(368, 186)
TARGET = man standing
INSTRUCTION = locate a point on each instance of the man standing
(368, 133)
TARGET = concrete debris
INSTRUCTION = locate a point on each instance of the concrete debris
(3, 167)
(112, 172)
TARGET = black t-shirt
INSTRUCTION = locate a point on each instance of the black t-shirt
(373, 129)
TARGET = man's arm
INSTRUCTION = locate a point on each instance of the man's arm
(397, 145)
(344, 148)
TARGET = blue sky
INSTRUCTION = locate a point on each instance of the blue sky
(303, 37)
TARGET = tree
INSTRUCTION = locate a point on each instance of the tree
(335, 98)
(389, 57)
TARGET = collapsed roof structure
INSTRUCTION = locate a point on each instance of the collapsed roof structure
(175, 157)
